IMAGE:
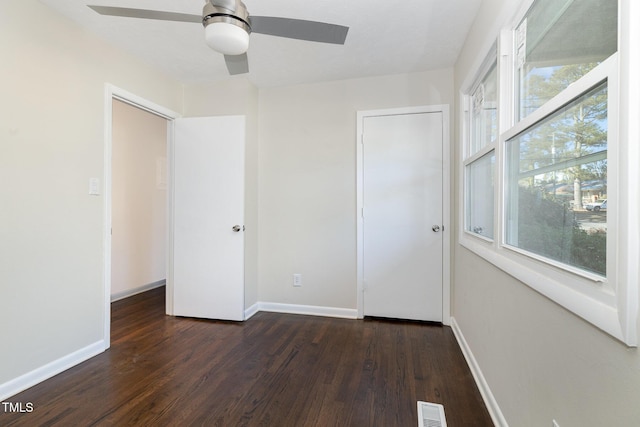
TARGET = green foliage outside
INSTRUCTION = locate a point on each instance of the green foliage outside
(548, 228)
(557, 145)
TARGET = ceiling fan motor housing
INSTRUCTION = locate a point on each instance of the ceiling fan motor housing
(228, 11)
(227, 27)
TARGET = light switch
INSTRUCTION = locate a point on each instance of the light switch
(161, 173)
(94, 187)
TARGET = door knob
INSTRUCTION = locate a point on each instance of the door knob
(237, 228)
(436, 228)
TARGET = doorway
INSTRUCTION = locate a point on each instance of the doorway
(139, 201)
(402, 208)
(115, 94)
(194, 191)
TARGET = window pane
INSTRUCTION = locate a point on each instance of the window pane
(557, 185)
(484, 112)
(558, 42)
(479, 190)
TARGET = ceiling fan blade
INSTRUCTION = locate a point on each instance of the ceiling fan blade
(299, 29)
(147, 14)
(237, 64)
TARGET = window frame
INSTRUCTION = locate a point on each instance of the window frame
(606, 71)
(610, 303)
(469, 156)
(467, 170)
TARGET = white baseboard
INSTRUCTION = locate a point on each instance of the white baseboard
(309, 310)
(483, 386)
(23, 382)
(140, 289)
(249, 312)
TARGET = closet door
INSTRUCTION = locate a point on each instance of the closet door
(402, 216)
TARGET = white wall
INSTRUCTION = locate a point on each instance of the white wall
(52, 81)
(540, 361)
(236, 96)
(139, 199)
(308, 181)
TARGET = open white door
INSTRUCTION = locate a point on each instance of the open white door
(208, 237)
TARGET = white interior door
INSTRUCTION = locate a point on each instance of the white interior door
(402, 218)
(208, 253)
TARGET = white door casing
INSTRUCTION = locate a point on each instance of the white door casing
(208, 203)
(112, 92)
(402, 206)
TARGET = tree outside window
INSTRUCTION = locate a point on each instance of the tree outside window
(554, 167)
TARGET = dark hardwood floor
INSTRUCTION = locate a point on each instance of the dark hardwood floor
(272, 370)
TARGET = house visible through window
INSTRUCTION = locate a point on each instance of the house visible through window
(555, 168)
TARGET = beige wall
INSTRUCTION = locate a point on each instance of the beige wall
(52, 78)
(308, 181)
(52, 135)
(540, 361)
(139, 199)
(236, 96)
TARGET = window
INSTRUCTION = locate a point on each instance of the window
(553, 167)
(557, 43)
(549, 157)
(480, 195)
(480, 167)
(558, 163)
(484, 110)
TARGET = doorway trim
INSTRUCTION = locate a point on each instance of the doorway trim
(112, 92)
(446, 201)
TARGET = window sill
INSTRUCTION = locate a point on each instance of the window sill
(594, 302)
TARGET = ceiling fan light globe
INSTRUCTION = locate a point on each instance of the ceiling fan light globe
(226, 38)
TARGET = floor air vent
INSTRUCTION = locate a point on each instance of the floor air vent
(431, 415)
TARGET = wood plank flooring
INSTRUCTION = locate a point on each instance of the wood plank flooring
(272, 370)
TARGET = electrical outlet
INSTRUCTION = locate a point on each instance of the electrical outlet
(297, 280)
(555, 423)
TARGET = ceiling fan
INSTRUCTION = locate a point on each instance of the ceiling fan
(228, 24)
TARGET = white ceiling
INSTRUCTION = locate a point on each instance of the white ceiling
(385, 37)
